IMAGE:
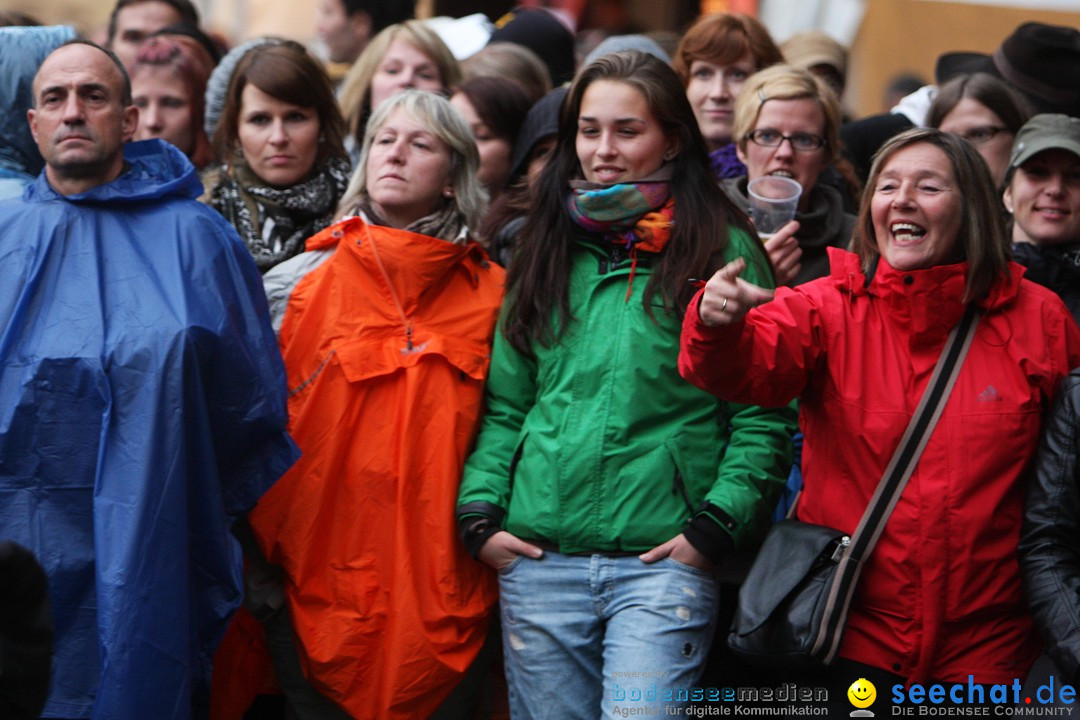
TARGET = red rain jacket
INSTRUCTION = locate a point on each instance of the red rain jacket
(940, 597)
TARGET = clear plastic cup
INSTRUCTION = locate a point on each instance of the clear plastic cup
(773, 200)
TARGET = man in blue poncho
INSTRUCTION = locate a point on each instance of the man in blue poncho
(142, 399)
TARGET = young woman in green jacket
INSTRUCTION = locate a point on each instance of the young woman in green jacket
(604, 488)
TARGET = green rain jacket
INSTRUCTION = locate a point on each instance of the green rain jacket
(596, 444)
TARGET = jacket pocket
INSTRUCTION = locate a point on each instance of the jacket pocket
(514, 460)
(365, 358)
(650, 501)
(695, 469)
(308, 381)
(678, 486)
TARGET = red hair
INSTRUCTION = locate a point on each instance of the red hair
(723, 38)
(191, 63)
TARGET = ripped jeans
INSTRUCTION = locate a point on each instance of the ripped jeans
(584, 634)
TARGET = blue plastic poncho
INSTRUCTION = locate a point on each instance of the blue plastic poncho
(142, 409)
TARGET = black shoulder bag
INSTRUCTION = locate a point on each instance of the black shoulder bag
(794, 603)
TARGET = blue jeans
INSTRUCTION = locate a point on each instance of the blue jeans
(582, 634)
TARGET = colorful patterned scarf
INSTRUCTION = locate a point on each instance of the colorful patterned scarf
(629, 214)
(637, 216)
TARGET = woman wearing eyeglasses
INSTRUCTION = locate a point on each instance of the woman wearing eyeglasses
(984, 111)
(787, 123)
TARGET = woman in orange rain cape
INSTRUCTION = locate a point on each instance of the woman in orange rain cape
(386, 326)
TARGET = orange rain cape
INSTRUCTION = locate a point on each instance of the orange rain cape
(386, 347)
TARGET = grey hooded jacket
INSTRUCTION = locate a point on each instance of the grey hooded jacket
(22, 50)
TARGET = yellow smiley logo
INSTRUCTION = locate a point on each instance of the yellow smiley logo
(862, 693)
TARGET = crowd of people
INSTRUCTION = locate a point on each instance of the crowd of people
(459, 387)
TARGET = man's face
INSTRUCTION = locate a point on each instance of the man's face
(79, 121)
(344, 36)
(135, 23)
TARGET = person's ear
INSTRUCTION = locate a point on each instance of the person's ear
(362, 24)
(130, 122)
(672, 147)
(31, 120)
(1006, 197)
(739, 153)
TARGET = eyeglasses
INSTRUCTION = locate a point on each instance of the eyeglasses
(800, 142)
(982, 134)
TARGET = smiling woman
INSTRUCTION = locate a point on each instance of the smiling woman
(279, 141)
(603, 488)
(916, 209)
(857, 348)
(403, 56)
(714, 58)
(1042, 194)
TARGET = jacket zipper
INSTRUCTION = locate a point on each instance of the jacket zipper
(409, 347)
(612, 260)
(514, 462)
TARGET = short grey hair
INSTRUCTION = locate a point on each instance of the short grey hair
(441, 119)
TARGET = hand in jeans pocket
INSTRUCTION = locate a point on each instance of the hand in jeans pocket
(502, 548)
(681, 551)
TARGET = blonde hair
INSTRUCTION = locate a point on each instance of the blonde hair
(784, 82)
(438, 117)
(356, 87)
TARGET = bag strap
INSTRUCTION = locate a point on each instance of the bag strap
(892, 484)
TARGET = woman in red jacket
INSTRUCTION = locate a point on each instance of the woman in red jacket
(940, 598)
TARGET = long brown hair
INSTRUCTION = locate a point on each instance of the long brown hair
(538, 282)
(287, 72)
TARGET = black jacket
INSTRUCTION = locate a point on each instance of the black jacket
(825, 224)
(1054, 267)
(26, 634)
(1050, 537)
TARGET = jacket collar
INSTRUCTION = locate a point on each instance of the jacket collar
(153, 170)
(413, 263)
(943, 283)
(926, 301)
